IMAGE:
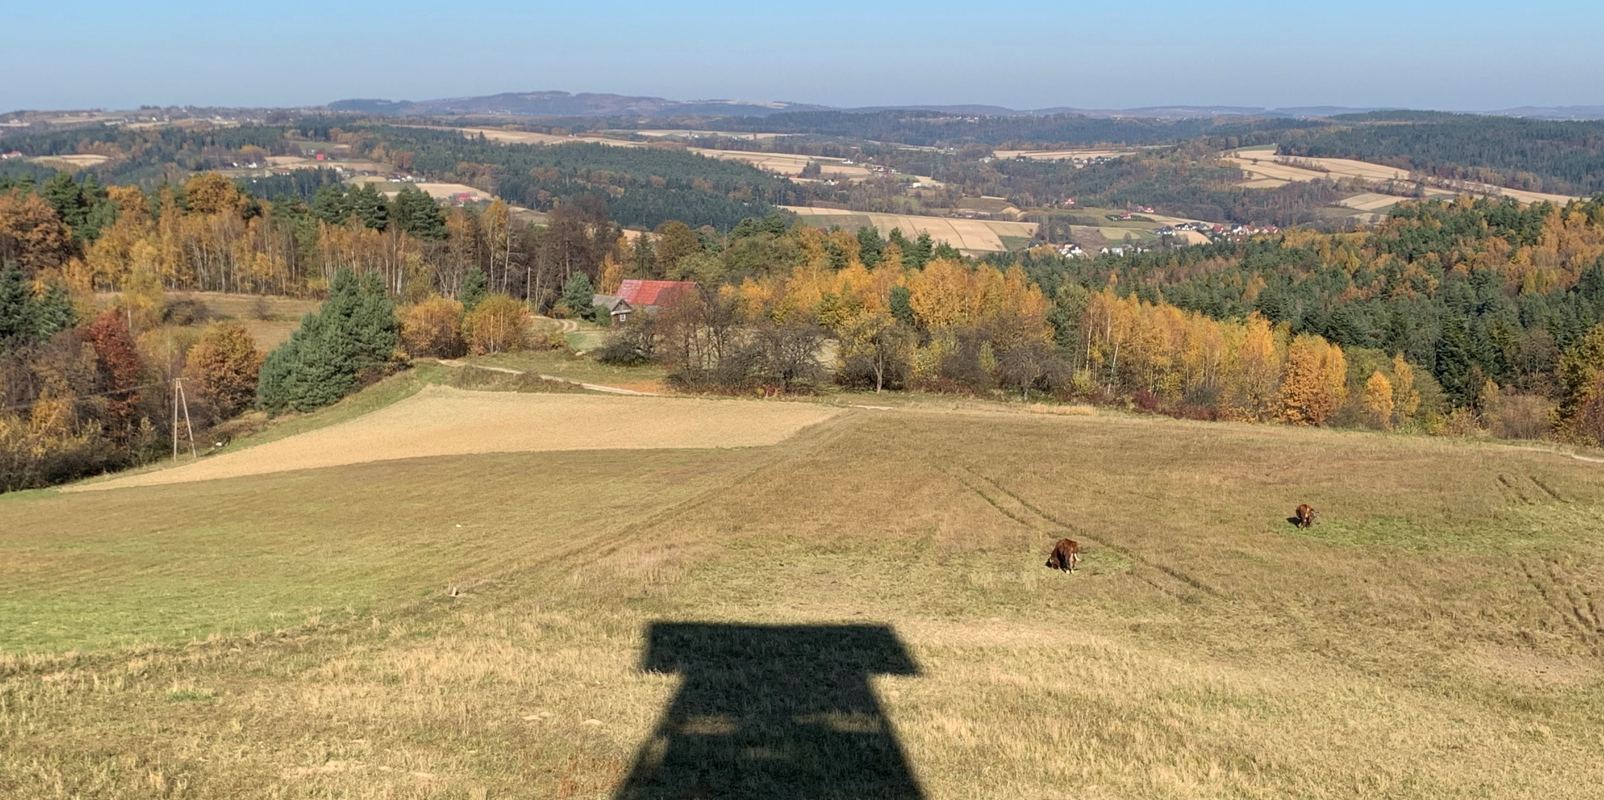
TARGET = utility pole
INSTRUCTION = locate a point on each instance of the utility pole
(181, 397)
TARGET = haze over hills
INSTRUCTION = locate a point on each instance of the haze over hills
(593, 104)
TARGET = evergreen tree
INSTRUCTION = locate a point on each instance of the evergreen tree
(369, 206)
(869, 246)
(418, 214)
(1456, 361)
(901, 302)
(352, 338)
(475, 285)
(331, 205)
(67, 198)
(578, 294)
(16, 307)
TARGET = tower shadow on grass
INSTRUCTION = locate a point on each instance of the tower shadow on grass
(782, 712)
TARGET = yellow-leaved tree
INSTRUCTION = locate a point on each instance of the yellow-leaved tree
(1316, 381)
(1405, 397)
(1378, 400)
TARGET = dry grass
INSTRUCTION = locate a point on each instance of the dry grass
(1436, 635)
(443, 421)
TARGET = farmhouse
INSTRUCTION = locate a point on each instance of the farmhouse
(617, 307)
(638, 295)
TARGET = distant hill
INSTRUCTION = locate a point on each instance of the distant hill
(1553, 112)
(564, 104)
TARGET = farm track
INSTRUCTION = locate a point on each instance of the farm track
(1018, 509)
(1578, 609)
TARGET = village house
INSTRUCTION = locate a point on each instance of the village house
(640, 295)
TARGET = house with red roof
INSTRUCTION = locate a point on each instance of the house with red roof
(638, 295)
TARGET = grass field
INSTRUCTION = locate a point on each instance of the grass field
(1437, 634)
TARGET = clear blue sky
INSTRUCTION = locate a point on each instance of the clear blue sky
(1448, 54)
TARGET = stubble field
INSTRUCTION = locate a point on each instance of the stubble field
(1437, 634)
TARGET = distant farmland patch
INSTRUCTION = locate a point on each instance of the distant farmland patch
(1265, 170)
(74, 162)
(968, 235)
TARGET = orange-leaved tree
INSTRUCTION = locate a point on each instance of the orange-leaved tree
(1316, 382)
(222, 368)
(432, 328)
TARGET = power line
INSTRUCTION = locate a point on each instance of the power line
(89, 394)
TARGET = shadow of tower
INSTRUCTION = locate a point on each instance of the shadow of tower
(780, 712)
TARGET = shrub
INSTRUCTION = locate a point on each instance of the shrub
(498, 324)
(184, 311)
(631, 344)
(1519, 416)
(433, 328)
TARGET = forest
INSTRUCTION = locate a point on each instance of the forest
(1536, 155)
(642, 187)
(940, 129)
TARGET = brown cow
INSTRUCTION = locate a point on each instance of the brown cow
(1064, 556)
(1305, 515)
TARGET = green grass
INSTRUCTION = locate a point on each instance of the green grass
(577, 368)
(1435, 635)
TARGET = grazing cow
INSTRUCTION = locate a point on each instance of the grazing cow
(1064, 556)
(1305, 515)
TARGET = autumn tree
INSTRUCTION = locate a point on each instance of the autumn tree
(1405, 397)
(223, 367)
(875, 350)
(498, 324)
(1378, 400)
(1315, 385)
(120, 371)
(433, 327)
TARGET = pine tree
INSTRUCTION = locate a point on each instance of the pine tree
(474, 287)
(578, 294)
(869, 246)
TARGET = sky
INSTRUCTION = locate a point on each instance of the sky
(1025, 54)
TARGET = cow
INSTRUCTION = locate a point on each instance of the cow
(1064, 556)
(1305, 515)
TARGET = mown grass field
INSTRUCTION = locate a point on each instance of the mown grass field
(1436, 635)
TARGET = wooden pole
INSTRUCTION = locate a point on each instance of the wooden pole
(184, 397)
(175, 419)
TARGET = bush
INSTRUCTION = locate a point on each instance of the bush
(631, 344)
(433, 328)
(1520, 416)
(497, 381)
(184, 311)
(498, 324)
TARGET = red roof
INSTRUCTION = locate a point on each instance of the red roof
(652, 293)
